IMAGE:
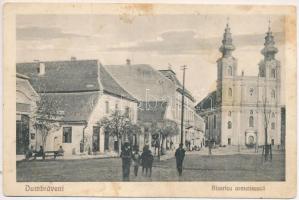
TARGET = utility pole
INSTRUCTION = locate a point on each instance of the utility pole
(183, 99)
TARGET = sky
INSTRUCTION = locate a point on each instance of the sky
(162, 41)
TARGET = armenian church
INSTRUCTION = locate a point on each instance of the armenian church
(244, 110)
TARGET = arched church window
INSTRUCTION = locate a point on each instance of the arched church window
(251, 121)
(272, 125)
(230, 71)
(273, 94)
(251, 91)
(229, 124)
(230, 92)
(273, 73)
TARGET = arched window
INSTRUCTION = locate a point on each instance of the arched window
(229, 125)
(273, 73)
(251, 91)
(273, 94)
(229, 113)
(273, 115)
(251, 121)
(229, 71)
(230, 92)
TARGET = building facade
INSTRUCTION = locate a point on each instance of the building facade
(244, 110)
(159, 94)
(26, 98)
(82, 93)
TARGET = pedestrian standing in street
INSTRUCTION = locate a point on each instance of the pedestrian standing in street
(147, 159)
(126, 156)
(179, 156)
(136, 161)
(210, 147)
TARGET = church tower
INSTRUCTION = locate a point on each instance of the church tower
(227, 69)
(269, 78)
(226, 89)
(269, 67)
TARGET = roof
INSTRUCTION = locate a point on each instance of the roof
(110, 85)
(72, 76)
(74, 106)
(21, 76)
(151, 111)
(62, 76)
(208, 102)
(143, 82)
(169, 73)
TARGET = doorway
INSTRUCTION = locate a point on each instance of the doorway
(22, 135)
(96, 139)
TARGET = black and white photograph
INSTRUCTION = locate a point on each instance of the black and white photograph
(143, 96)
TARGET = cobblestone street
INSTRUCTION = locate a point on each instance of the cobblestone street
(238, 167)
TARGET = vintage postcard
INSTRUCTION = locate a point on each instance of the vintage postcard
(149, 100)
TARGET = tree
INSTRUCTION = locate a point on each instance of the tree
(266, 114)
(163, 130)
(47, 116)
(119, 125)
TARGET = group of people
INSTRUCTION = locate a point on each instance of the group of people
(145, 160)
(31, 153)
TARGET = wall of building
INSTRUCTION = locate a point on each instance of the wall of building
(100, 111)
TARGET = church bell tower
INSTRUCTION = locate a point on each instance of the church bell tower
(226, 68)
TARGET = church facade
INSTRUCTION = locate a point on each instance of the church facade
(244, 110)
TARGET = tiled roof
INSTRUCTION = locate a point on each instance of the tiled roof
(74, 106)
(207, 101)
(166, 73)
(110, 85)
(72, 76)
(143, 82)
(63, 76)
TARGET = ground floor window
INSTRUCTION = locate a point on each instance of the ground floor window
(229, 141)
(67, 135)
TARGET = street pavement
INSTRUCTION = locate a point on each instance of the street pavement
(197, 167)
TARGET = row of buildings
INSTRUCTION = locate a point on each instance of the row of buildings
(243, 110)
(82, 92)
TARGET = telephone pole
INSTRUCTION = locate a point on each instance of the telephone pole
(183, 99)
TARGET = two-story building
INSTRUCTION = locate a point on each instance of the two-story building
(83, 92)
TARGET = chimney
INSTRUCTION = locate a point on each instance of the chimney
(41, 68)
(128, 61)
(73, 58)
